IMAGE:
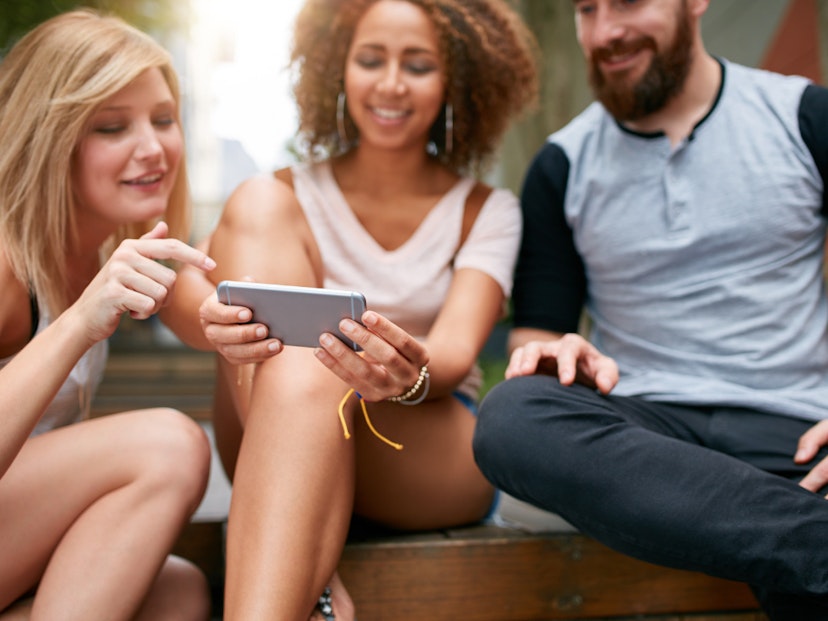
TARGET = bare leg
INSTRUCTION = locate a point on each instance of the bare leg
(180, 593)
(19, 611)
(227, 424)
(293, 491)
(433, 482)
(297, 478)
(342, 604)
(92, 510)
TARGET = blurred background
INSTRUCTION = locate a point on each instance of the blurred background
(238, 113)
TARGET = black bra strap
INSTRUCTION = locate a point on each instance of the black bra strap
(35, 313)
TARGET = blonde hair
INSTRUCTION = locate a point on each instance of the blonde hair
(51, 82)
(490, 59)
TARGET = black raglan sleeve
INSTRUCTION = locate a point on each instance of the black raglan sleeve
(550, 282)
(813, 125)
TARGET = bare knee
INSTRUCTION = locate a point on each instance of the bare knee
(175, 453)
(180, 593)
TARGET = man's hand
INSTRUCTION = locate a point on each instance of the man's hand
(809, 445)
(571, 358)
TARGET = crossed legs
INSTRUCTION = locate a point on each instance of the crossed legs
(655, 481)
(89, 512)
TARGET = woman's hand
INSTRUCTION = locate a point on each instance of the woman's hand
(389, 364)
(133, 281)
(230, 334)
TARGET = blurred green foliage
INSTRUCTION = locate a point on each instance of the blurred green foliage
(154, 16)
(494, 369)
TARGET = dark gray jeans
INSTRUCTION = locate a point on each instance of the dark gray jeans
(700, 488)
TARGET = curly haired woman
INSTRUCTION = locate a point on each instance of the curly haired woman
(400, 102)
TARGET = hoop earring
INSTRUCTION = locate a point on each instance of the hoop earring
(449, 128)
(340, 118)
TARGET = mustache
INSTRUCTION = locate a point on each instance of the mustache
(620, 48)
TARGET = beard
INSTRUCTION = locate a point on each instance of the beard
(663, 80)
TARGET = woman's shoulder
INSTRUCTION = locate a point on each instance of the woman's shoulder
(259, 199)
(264, 185)
(491, 197)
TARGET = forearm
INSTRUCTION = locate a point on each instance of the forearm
(449, 365)
(518, 337)
(181, 315)
(460, 331)
(30, 381)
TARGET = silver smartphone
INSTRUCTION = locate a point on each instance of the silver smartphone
(295, 315)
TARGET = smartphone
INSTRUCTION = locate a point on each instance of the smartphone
(295, 315)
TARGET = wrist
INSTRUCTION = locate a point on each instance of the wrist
(417, 393)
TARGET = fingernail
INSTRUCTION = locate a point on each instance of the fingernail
(326, 339)
(346, 326)
(274, 346)
(370, 318)
(209, 263)
(245, 315)
(261, 332)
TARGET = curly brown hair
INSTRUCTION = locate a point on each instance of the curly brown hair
(490, 58)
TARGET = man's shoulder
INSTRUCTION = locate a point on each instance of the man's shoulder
(578, 130)
(770, 85)
(758, 96)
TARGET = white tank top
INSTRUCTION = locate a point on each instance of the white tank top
(73, 401)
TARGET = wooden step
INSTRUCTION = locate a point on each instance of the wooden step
(496, 573)
(493, 573)
(174, 377)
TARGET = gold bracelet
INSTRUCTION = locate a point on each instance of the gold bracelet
(423, 379)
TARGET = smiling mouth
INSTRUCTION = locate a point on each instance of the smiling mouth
(618, 58)
(391, 115)
(619, 53)
(148, 180)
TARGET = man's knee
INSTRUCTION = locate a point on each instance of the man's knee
(505, 426)
(497, 414)
(525, 425)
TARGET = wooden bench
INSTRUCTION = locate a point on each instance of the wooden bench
(481, 573)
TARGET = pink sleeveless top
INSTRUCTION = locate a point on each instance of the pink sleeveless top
(409, 284)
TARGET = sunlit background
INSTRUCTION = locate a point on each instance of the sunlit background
(250, 85)
(239, 112)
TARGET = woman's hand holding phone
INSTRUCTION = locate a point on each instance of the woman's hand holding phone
(389, 364)
(230, 333)
(289, 315)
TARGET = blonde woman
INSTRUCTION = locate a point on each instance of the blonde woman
(92, 160)
(407, 99)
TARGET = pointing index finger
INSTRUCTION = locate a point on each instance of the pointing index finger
(175, 250)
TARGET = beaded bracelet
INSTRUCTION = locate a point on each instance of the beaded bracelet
(422, 380)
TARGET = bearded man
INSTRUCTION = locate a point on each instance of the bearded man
(685, 211)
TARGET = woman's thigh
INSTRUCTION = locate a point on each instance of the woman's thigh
(57, 476)
(433, 481)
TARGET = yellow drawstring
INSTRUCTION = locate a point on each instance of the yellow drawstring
(367, 419)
